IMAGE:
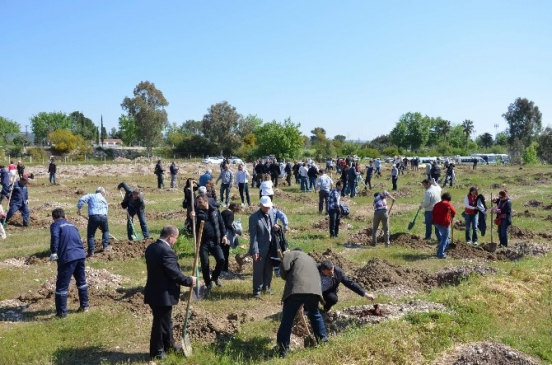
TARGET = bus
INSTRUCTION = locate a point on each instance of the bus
(468, 160)
(493, 158)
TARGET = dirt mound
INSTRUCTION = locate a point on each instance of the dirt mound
(378, 274)
(511, 253)
(526, 214)
(205, 327)
(170, 215)
(364, 236)
(533, 203)
(35, 220)
(484, 353)
(308, 197)
(347, 266)
(454, 275)
(324, 224)
(402, 193)
(95, 278)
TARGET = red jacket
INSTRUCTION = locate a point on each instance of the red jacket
(443, 212)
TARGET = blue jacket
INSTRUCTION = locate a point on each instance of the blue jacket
(20, 194)
(203, 179)
(66, 241)
(5, 178)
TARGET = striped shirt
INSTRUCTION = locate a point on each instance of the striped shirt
(379, 201)
(333, 199)
(226, 176)
(97, 205)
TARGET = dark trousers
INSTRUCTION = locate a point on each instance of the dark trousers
(288, 178)
(95, 222)
(335, 219)
(205, 249)
(274, 179)
(369, 181)
(160, 181)
(23, 208)
(503, 232)
(143, 224)
(394, 180)
(161, 339)
(65, 271)
(291, 306)
(262, 273)
(225, 188)
(226, 254)
(244, 189)
(330, 297)
(323, 200)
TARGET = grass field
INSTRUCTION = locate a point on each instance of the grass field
(513, 307)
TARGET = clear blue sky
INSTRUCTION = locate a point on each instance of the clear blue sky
(351, 67)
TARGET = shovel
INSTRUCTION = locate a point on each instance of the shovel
(492, 245)
(186, 344)
(309, 340)
(199, 291)
(411, 224)
(9, 198)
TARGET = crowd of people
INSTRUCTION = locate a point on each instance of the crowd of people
(308, 284)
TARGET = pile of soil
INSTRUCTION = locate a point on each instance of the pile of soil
(518, 232)
(454, 275)
(526, 214)
(484, 353)
(364, 236)
(324, 224)
(402, 193)
(379, 274)
(35, 220)
(336, 259)
(205, 327)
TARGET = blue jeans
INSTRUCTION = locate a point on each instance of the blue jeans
(471, 225)
(95, 222)
(64, 273)
(304, 183)
(428, 215)
(352, 187)
(52, 178)
(173, 180)
(444, 242)
(223, 188)
(143, 224)
(291, 306)
(503, 232)
(312, 183)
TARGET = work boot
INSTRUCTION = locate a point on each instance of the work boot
(108, 248)
(83, 309)
(218, 282)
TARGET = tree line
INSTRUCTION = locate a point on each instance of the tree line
(224, 131)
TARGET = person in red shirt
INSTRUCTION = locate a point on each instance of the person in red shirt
(443, 213)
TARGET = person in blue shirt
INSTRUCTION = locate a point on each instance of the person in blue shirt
(19, 201)
(97, 218)
(5, 182)
(67, 249)
(204, 179)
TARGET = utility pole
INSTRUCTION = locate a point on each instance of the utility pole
(496, 129)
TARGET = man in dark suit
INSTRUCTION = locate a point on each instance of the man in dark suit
(163, 290)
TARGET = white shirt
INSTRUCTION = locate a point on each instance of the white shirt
(325, 183)
(242, 176)
(303, 172)
(266, 188)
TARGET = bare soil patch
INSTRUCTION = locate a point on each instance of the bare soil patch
(337, 259)
(484, 353)
(324, 224)
(206, 327)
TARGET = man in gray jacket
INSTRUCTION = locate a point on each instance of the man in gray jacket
(303, 288)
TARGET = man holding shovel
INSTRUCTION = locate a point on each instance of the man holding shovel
(97, 218)
(381, 214)
(162, 290)
(19, 200)
(133, 202)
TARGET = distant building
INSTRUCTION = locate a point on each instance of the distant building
(110, 142)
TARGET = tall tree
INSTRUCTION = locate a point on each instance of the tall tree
(248, 124)
(8, 126)
(399, 135)
(82, 125)
(147, 107)
(524, 121)
(193, 127)
(442, 128)
(418, 129)
(467, 126)
(281, 139)
(221, 126)
(318, 136)
(485, 140)
(544, 149)
(127, 128)
(103, 132)
(44, 123)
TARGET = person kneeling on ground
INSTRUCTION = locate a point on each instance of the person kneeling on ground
(302, 289)
(331, 276)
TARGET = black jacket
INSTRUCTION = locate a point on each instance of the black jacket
(275, 169)
(129, 202)
(340, 277)
(214, 228)
(164, 276)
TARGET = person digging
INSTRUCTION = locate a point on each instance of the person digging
(133, 202)
(331, 276)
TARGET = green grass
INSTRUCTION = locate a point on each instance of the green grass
(513, 307)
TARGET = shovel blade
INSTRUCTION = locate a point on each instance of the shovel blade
(410, 225)
(186, 346)
(309, 341)
(198, 292)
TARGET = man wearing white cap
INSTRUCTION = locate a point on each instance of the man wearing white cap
(262, 228)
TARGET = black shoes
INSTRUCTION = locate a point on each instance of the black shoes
(218, 283)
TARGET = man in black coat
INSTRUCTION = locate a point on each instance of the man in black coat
(162, 290)
(331, 276)
(275, 172)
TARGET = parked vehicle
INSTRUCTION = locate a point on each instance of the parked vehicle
(493, 158)
(468, 160)
(212, 160)
(236, 160)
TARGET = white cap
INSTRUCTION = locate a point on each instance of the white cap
(266, 202)
(202, 190)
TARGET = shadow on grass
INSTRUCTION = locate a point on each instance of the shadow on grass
(250, 351)
(414, 256)
(95, 355)
(129, 292)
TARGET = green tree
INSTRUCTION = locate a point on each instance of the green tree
(127, 128)
(442, 128)
(103, 132)
(501, 139)
(281, 139)
(8, 126)
(82, 125)
(524, 121)
(340, 137)
(381, 142)
(147, 107)
(544, 149)
(65, 142)
(530, 155)
(44, 123)
(485, 140)
(318, 136)
(324, 150)
(248, 124)
(350, 148)
(193, 127)
(399, 135)
(468, 129)
(221, 126)
(418, 129)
